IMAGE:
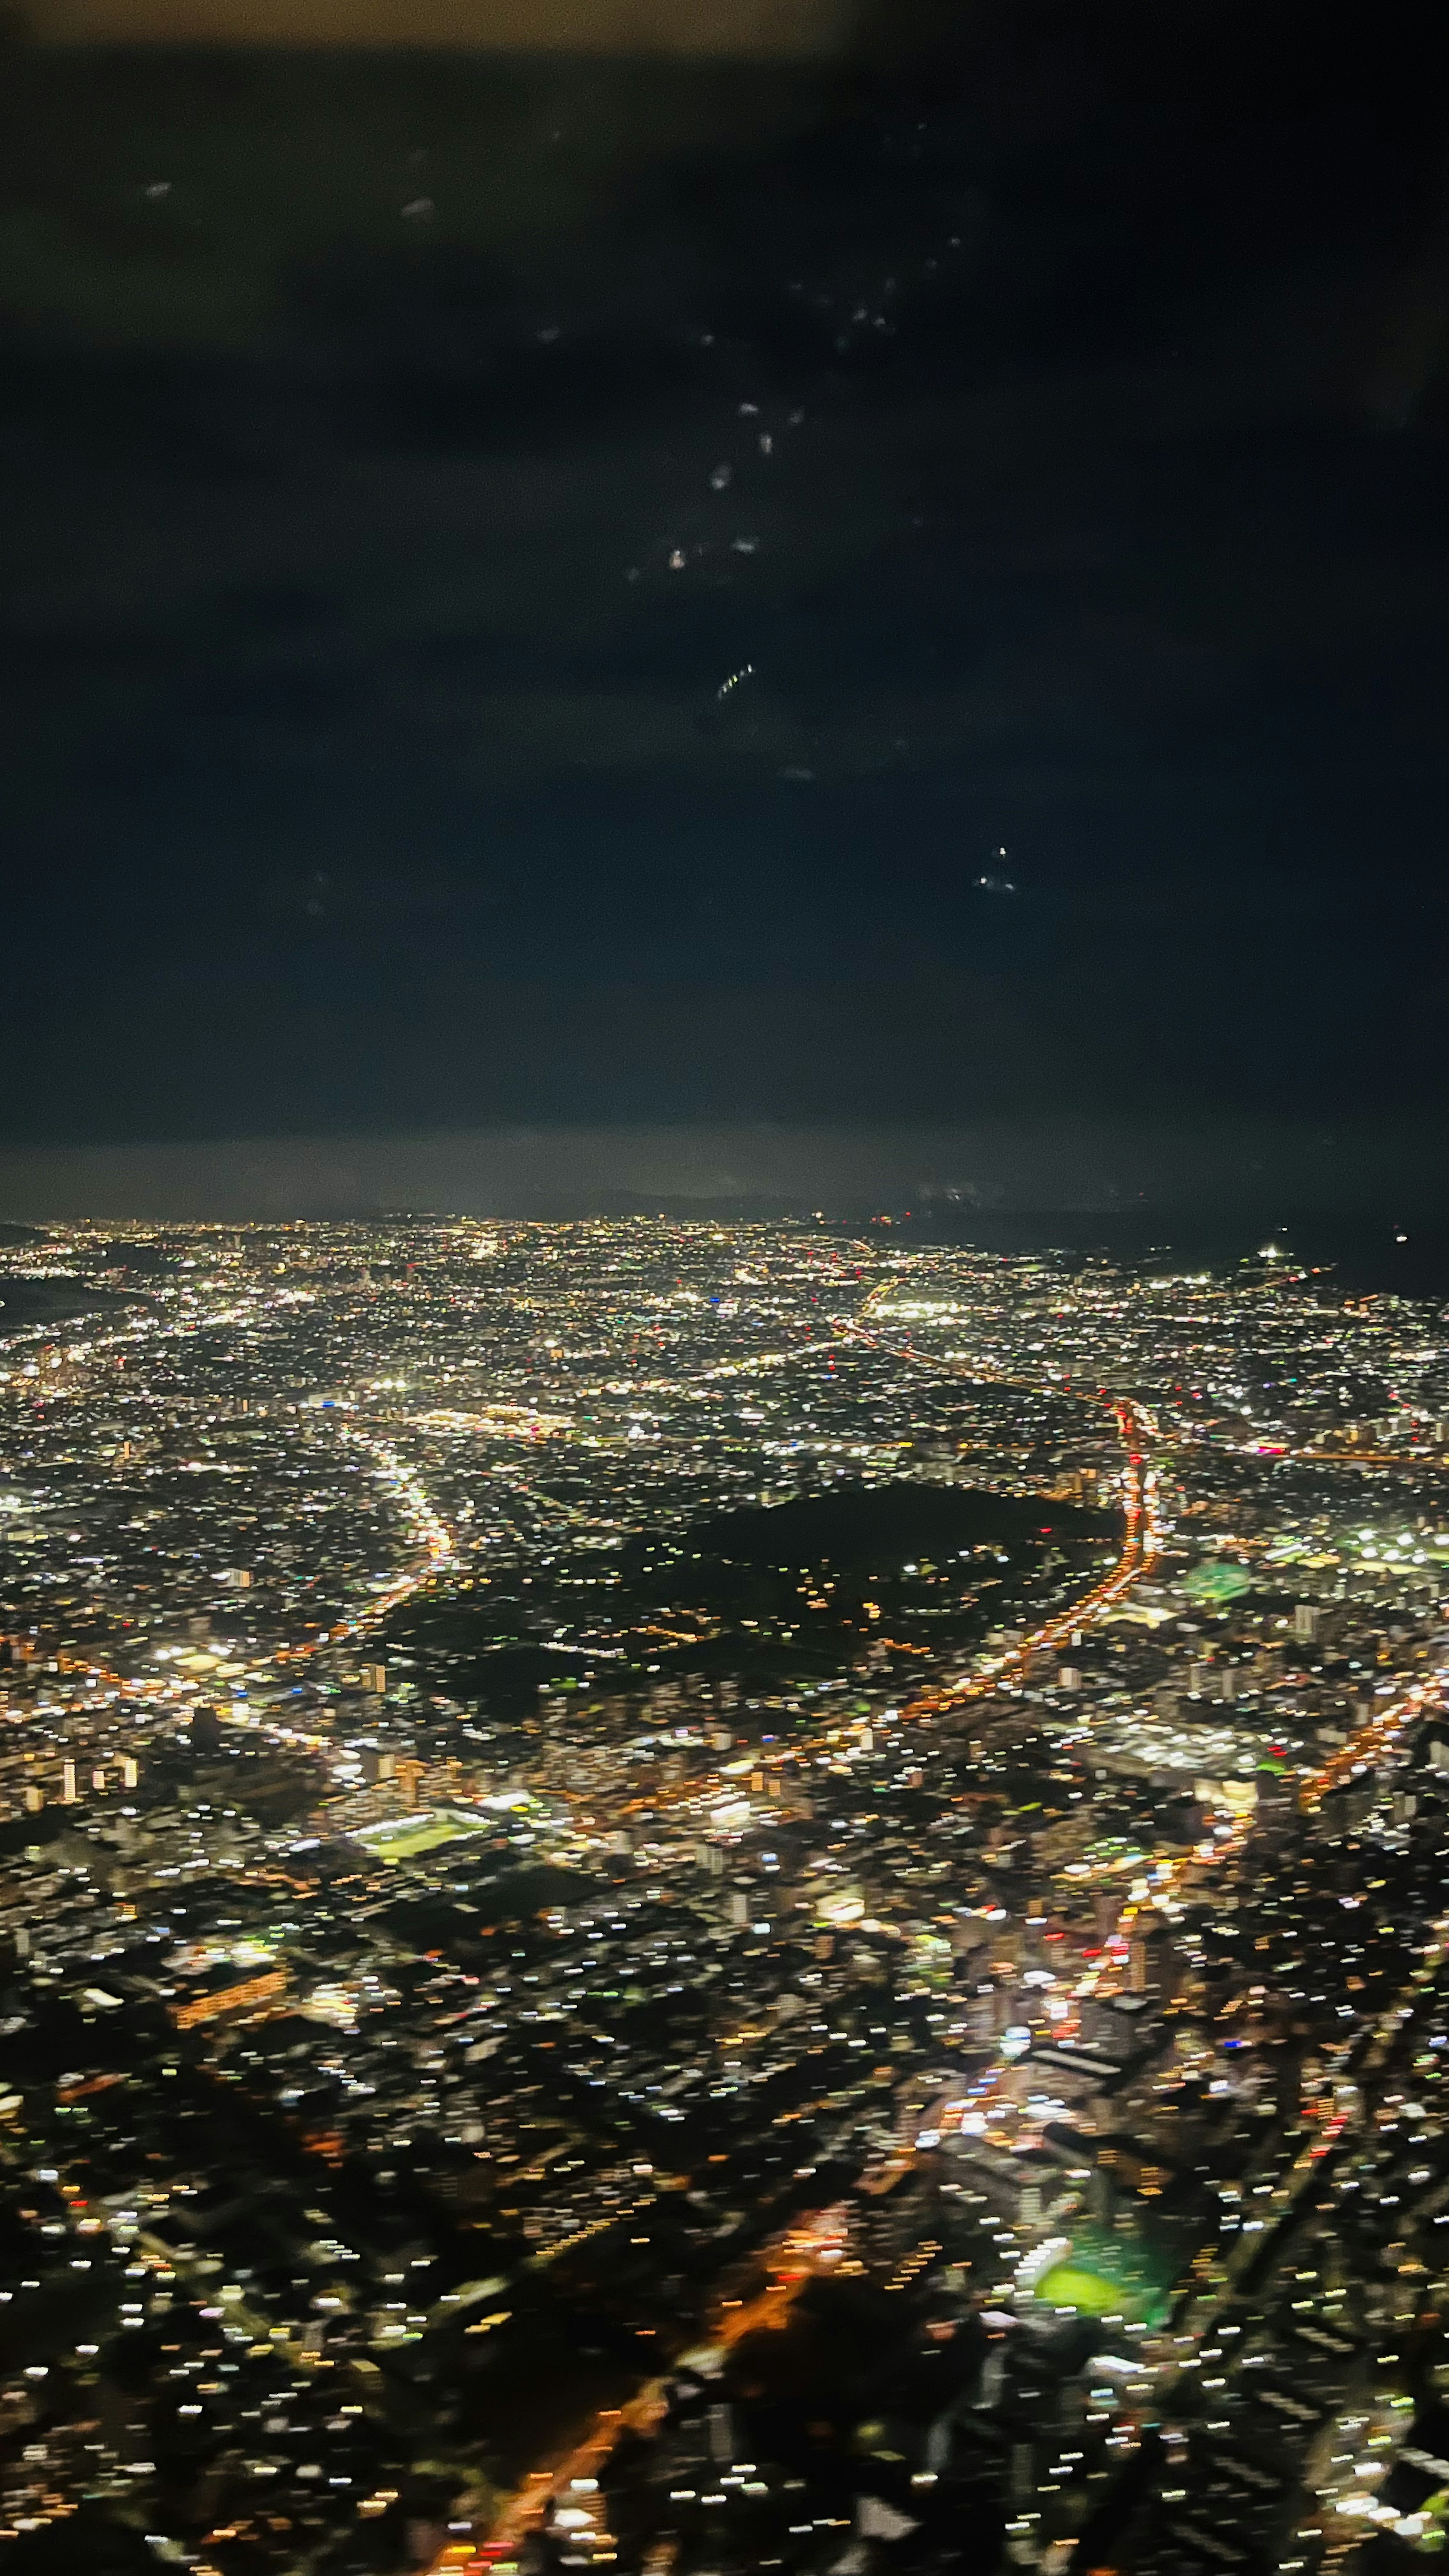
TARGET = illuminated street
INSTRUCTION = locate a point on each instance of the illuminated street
(675, 1802)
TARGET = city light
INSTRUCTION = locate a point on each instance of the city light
(688, 1780)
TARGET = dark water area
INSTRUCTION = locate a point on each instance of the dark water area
(1368, 1257)
(1376, 1261)
(56, 1301)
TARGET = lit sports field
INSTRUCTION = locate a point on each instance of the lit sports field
(1103, 2274)
(408, 1837)
(1067, 2285)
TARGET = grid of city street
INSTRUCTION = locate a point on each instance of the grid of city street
(699, 1897)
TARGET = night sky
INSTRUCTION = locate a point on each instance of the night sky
(1039, 407)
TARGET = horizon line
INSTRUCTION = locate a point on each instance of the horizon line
(802, 32)
(997, 1166)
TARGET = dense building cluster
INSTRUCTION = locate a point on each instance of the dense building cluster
(688, 1897)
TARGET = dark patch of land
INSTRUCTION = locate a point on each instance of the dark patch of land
(779, 1597)
(798, 1589)
(870, 1528)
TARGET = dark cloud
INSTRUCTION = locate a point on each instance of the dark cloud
(375, 584)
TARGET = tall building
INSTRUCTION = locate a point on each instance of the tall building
(206, 1734)
(1152, 1964)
